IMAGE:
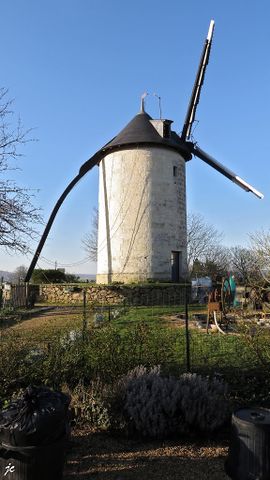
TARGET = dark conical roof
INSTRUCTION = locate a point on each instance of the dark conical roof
(140, 131)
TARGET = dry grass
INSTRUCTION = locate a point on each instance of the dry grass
(103, 457)
(46, 321)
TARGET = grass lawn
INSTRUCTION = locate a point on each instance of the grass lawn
(154, 314)
(150, 327)
(135, 336)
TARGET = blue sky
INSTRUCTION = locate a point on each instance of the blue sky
(77, 69)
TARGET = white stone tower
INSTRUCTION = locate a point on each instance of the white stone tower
(142, 230)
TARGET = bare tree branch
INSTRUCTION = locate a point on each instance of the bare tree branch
(90, 239)
(202, 239)
(17, 213)
(244, 264)
(261, 244)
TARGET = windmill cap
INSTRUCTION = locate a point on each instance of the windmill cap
(140, 131)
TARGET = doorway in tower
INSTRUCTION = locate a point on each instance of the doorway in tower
(176, 262)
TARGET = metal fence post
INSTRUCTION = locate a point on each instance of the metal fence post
(84, 313)
(187, 330)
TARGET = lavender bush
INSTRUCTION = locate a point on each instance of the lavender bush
(156, 406)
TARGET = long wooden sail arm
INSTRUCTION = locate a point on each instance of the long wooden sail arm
(195, 96)
(198, 152)
(86, 167)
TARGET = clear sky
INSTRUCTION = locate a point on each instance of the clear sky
(77, 69)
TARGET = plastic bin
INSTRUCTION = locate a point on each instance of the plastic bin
(32, 463)
(33, 435)
(249, 450)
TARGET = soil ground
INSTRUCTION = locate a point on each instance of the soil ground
(98, 456)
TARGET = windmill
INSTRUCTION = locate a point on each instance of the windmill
(142, 199)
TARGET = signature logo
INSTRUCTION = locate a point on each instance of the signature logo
(9, 469)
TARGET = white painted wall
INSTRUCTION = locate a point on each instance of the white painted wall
(142, 214)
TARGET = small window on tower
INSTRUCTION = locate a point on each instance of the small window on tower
(174, 171)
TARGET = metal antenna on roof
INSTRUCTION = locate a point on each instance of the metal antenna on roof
(159, 104)
(142, 102)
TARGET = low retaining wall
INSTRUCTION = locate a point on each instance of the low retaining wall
(114, 294)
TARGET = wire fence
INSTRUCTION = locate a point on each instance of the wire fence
(197, 346)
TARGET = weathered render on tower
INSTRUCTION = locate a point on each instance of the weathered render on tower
(142, 205)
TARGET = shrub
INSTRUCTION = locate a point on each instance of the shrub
(13, 352)
(156, 406)
(150, 407)
(203, 402)
(257, 338)
(52, 357)
(89, 406)
(116, 395)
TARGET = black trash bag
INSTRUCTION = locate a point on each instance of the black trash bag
(39, 417)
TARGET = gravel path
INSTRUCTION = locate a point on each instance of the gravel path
(101, 457)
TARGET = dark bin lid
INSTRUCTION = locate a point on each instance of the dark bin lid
(255, 416)
(38, 417)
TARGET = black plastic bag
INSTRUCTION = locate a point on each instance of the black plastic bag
(38, 417)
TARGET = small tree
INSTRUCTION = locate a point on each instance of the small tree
(17, 213)
(52, 276)
(71, 278)
(261, 246)
(19, 274)
(203, 244)
(48, 276)
(244, 264)
(212, 266)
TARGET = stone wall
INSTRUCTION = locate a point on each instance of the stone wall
(113, 294)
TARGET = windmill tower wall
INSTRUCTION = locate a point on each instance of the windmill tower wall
(142, 215)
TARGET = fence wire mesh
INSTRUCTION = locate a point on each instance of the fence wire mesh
(55, 344)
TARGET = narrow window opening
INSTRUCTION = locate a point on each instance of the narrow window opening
(174, 171)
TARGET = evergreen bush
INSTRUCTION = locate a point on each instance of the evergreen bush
(203, 402)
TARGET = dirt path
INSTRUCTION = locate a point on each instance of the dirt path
(56, 317)
(101, 457)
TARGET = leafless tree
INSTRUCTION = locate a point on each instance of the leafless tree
(203, 240)
(17, 213)
(216, 263)
(90, 239)
(244, 264)
(260, 242)
(18, 275)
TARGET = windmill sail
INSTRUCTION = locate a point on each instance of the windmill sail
(195, 96)
(198, 152)
(190, 117)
